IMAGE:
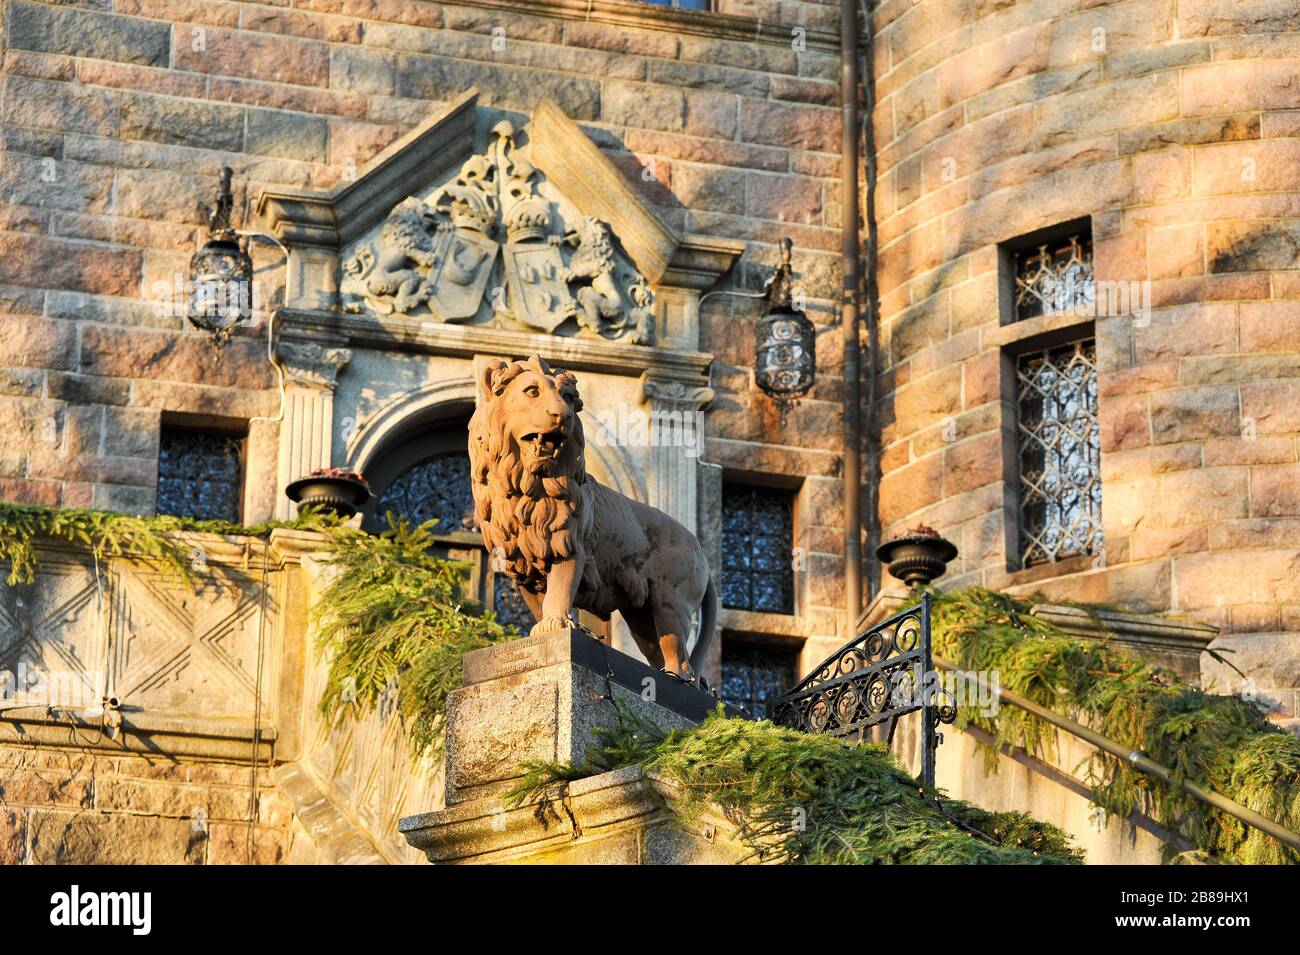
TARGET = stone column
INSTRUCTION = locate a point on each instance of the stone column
(676, 409)
(311, 373)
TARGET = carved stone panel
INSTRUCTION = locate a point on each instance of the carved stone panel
(179, 651)
(498, 246)
(51, 643)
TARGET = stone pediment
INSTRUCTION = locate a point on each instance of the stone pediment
(475, 220)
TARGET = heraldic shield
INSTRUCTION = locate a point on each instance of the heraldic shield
(461, 273)
(539, 295)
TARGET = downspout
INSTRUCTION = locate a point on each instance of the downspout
(852, 408)
(872, 303)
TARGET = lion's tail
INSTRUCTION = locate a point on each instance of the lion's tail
(708, 625)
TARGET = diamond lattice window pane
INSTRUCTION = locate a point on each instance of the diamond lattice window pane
(437, 488)
(753, 676)
(1060, 453)
(1056, 277)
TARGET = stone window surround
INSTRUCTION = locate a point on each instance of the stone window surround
(1014, 338)
(238, 428)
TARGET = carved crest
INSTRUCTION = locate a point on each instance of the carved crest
(440, 256)
(465, 261)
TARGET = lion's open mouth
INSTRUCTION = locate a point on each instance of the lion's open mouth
(545, 444)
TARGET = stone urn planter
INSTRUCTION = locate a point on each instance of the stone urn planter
(918, 557)
(332, 490)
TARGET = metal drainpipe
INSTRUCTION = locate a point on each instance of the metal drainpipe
(849, 312)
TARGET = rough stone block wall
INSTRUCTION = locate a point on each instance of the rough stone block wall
(1172, 125)
(76, 806)
(117, 115)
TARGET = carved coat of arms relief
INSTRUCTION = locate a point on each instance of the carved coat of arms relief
(487, 248)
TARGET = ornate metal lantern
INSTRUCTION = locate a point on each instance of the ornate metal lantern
(221, 273)
(785, 342)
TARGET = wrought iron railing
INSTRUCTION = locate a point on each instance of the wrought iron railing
(875, 680)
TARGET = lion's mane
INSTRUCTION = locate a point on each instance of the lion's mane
(527, 520)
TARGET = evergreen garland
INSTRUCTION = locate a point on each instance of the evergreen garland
(1223, 743)
(395, 621)
(804, 798)
(108, 534)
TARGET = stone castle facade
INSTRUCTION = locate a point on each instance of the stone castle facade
(1084, 326)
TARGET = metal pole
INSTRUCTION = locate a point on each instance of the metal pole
(929, 727)
(1139, 761)
(849, 312)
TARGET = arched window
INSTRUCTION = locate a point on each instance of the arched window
(426, 476)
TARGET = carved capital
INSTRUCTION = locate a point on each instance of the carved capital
(675, 394)
(312, 365)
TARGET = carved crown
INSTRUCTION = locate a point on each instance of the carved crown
(470, 208)
(528, 220)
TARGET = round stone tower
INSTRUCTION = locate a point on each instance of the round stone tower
(1088, 365)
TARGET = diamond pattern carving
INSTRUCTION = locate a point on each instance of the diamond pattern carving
(50, 633)
(188, 653)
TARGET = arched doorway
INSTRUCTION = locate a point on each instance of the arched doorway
(425, 476)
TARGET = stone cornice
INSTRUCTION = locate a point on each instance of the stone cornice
(416, 335)
(701, 23)
(576, 166)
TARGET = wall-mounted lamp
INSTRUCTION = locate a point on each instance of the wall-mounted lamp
(785, 341)
(221, 273)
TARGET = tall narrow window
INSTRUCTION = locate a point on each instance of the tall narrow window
(754, 674)
(1060, 453)
(1058, 437)
(200, 473)
(757, 548)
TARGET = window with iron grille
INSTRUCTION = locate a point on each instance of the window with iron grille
(754, 675)
(1060, 452)
(757, 548)
(1054, 277)
(200, 474)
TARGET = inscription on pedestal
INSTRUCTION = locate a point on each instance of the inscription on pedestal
(504, 659)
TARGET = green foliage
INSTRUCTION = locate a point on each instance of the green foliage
(106, 534)
(395, 621)
(1222, 743)
(801, 798)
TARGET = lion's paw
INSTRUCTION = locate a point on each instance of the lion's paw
(548, 625)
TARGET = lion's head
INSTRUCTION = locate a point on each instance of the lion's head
(526, 453)
(591, 236)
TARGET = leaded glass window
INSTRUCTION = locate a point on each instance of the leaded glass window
(1055, 277)
(757, 548)
(438, 488)
(200, 474)
(1060, 453)
(681, 4)
(753, 675)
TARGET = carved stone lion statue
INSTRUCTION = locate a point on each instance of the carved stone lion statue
(404, 241)
(567, 540)
(592, 265)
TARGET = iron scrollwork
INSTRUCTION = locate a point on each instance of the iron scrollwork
(874, 679)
